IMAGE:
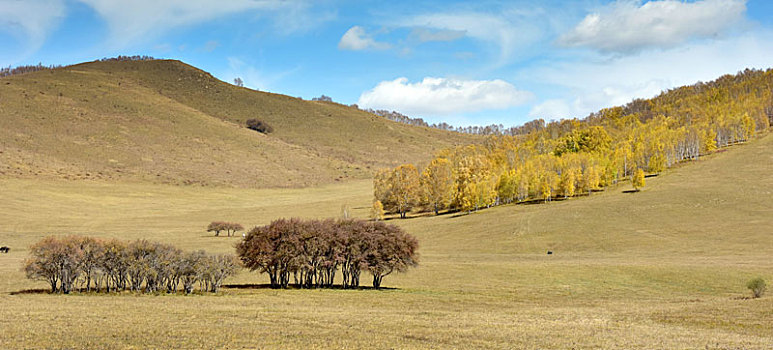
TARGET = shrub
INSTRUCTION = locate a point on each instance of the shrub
(259, 126)
(139, 266)
(757, 286)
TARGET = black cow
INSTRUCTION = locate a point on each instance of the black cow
(550, 252)
(5, 249)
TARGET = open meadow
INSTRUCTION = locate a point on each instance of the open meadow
(662, 268)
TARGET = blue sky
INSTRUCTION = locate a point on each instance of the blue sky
(465, 63)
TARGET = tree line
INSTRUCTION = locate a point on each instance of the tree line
(492, 129)
(568, 158)
(9, 71)
(311, 252)
(76, 263)
(23, 69)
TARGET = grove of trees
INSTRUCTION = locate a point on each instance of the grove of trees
(566, 158)
(311, 252)
(75, 263)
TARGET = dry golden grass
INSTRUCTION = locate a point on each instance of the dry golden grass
(169, 123)
(663, 268)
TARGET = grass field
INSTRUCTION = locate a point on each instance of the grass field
(663, 268)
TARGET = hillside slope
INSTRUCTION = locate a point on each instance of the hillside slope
(167, 122)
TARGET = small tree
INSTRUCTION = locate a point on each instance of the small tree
(216, 268)
(232, 228)
(637, 179)
(239, 82)
(389, 250)
(757, 286)
(216, 227)
(377, 211)
(45, 261)
(346, 211)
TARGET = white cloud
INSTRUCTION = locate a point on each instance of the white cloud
(551, 109)
(426, 35)
(356, 39)
(210, 45)
(509, 32)
(484, 27)
(30, 20)
(136, 20)
(601, 83)
(253, 78)
(627, 26)
(442, 96)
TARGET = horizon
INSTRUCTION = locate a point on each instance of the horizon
(464, 64)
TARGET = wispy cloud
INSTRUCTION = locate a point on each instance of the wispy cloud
(491, 29)
(138, 20)
(357, 39)
(210, 45)
(30, 21)
(427, 35)
(595, 84)
(442, 96)
(253, 77)
(629, 26)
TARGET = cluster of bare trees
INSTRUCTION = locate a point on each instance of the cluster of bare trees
(77, 263)
(493, 129)
(5, 72)
(8, 71)
(220, 226)
(122, 58)
(323, 98)
(313, 251)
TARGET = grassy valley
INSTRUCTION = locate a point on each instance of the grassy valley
(662, 268)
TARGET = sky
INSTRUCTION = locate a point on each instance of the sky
(461, 62)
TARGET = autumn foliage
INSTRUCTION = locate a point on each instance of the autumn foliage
(75, 263)
(567, 158)
(312, 252)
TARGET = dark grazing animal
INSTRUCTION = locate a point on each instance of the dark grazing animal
(550, 252)
(5, 249)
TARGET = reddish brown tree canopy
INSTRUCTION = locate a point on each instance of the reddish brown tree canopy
(313, 251)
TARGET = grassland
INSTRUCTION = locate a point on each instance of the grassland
(663, 268)
(169, 123)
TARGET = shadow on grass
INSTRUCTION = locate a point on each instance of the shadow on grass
(32, 291)
(631, 191)
(295, 286)
(456, 213)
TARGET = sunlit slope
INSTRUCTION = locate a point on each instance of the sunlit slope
(719, 205)
(167, 122)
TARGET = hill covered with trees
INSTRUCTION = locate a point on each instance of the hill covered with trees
(163, 121)
(568, 158)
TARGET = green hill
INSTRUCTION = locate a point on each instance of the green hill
(167, 122)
